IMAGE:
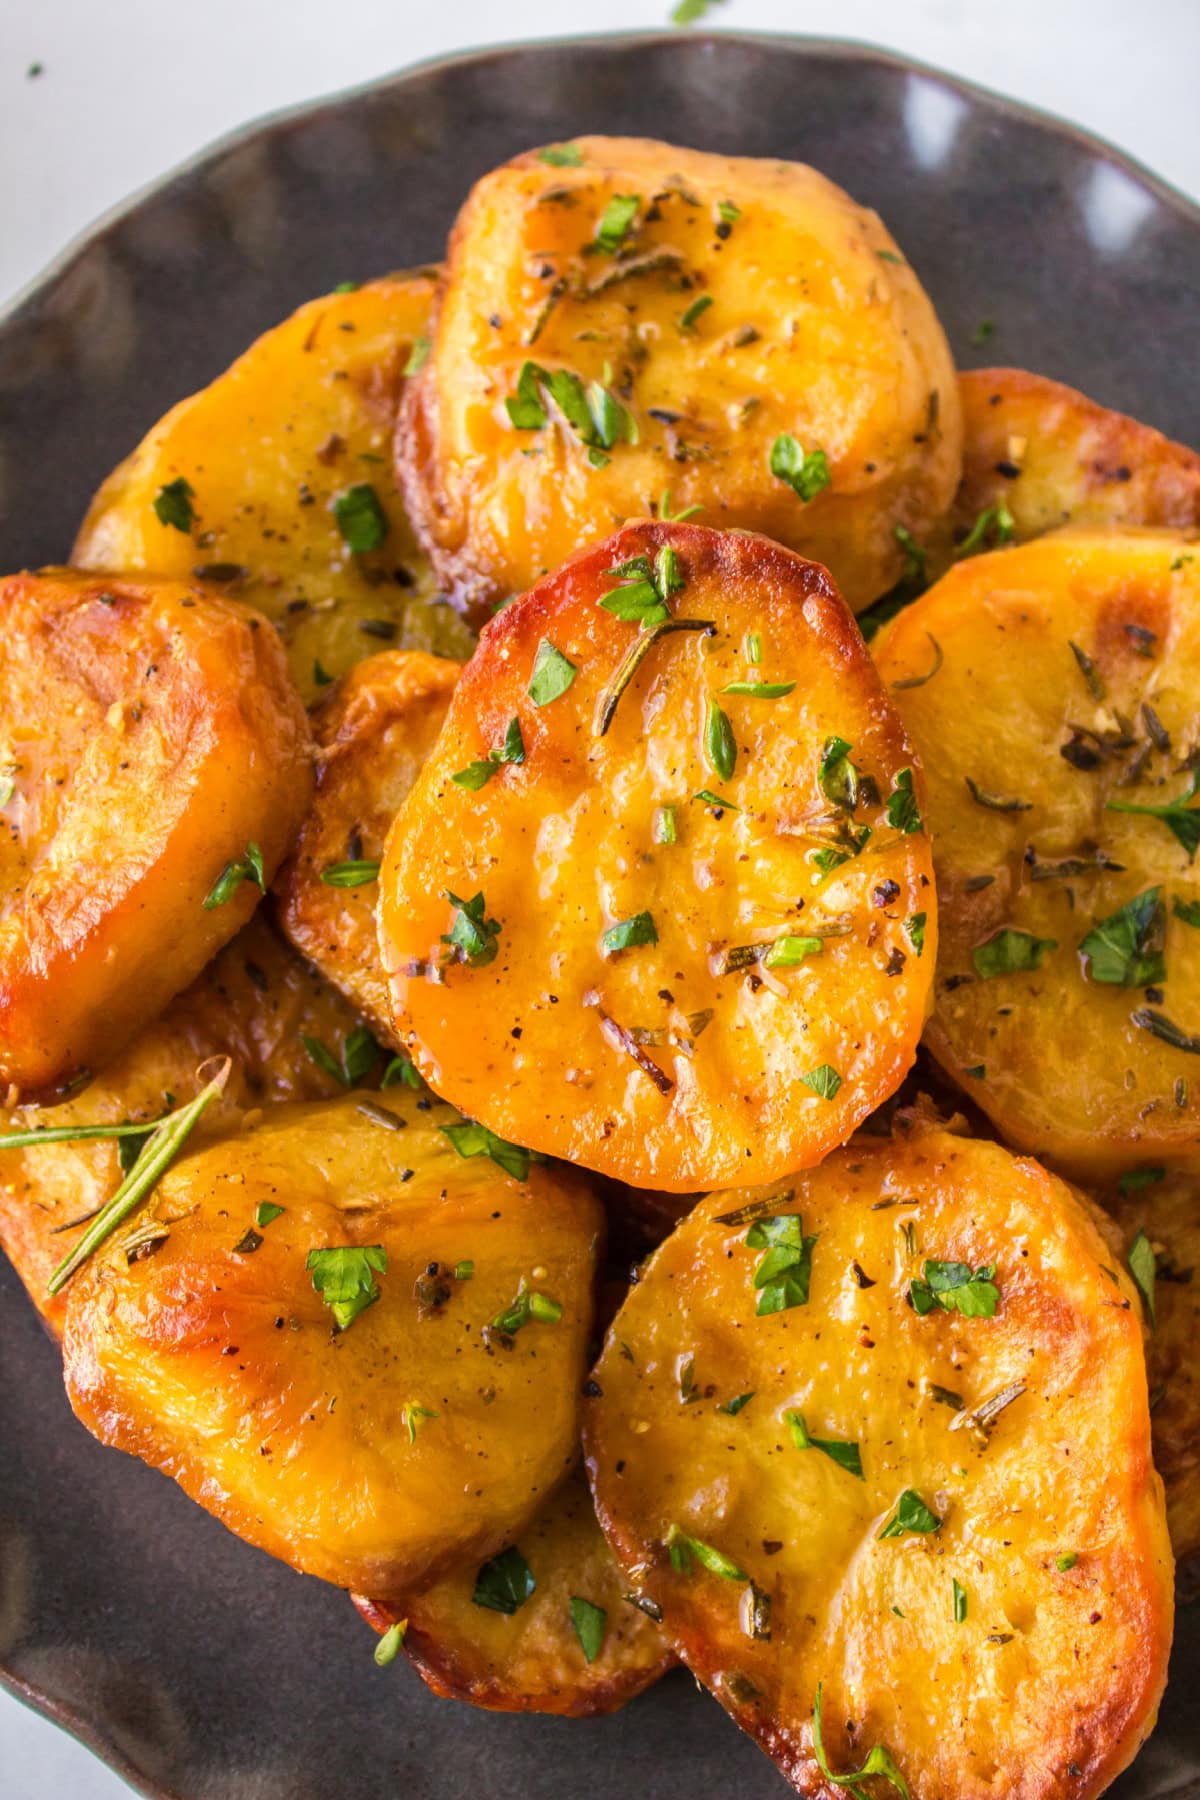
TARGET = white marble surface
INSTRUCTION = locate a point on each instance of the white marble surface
(130, 87)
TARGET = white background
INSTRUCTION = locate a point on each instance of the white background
(131, 87)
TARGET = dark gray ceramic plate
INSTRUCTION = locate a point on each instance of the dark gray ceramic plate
(200, 1668)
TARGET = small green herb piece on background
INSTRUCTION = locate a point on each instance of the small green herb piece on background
(1180, 818)
(472, 937)
(505, 1583)
(616, 222)
(562, 156)
(902, 812)
(629, 933)
(246, 868)
(552, 675)
(1126, 949)
(879, 1761)
(1010, 952)
(842, 1451)
(1143, 1267)
(173, 504)
(783, 1275)
(470, 1139)
(720, 749)
(911, 1514)
(351, 874)
(360, 518)
(388, 1647)
(806, 472)
(344, 1276)
(589, 1622)
(955, 1287)
(824, 1081)
(684, 1549)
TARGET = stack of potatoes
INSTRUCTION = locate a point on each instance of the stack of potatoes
(413, 984)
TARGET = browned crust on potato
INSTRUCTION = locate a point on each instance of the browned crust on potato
(449, 841)
(372, 734)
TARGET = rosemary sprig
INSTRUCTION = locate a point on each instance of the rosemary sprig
(157, 1153)
(632, 660)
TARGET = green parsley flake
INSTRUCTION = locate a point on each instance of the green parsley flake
(472, 938)
(955, 1287)
(760, 690)
(1180, 818)
(733, 1407)
(684, 1549)
(1010, 952)
(411, 1416)
(690, 12)
(837, 775)
(994, 526)
(1143, 1267)
(173, 504)
(351, 874)
(699, 305)
(401, 1069)
(1187, 910)
(562, 156)
(914, 927)
(911, 1514)
(716, 800)
(1066, 1561)
(589, 1622)
(616, 222)
(505, 1583)
(629, 933)
(1126, 949)
(840, 1450)
(528, 1308)
(360, 518)
(782, 1276)
(478, 774)
(552, 674)
(720, 748)
(1134, 1180)
(902, 811)
(344, 1276)
(960, 1603)
(786, 952)
(470, 1139)
(806, 472)
(246, 868)
(879, 1761)
(265, 1211)
(823, 1080)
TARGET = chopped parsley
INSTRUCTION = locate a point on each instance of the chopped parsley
(665, 828)
(837, 775)
(344, 1276)
(955, 1287)
(786, 952)
(1066, 1561)
(505, 1583)
(357, 873)
(805, 471)
(359, 1053)
(1126, 949)
(782, 1276)
(265, 1211)
(528, 1308)
(1010, 952)
(629, 933)
(683, 13)
(245, 868)
(760, 690)
(902, 812)
(699, 305)
(960, 1602)
(914, 927)
(562, 156)
(879, 1761)
(411, 1416)
(470, 1139)
(719, 747)
(478, 774)
(173, 504)
(684, 1549)
(840, 1450)
(911, 1514)
(596, 416)
(1177, 815)
(472, 937)
(616, 222)
(733, 1407)
(645, 588)
(914, 576)
(360, 518)
(1143, 1267)
(718, 800)
(1187, 910)
(589, 1622)
(1134, 1180)
(994, 526)
(823, 1080)
(552, 675)
(388, 1647)
(401, 1069)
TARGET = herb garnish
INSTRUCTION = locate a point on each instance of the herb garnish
(361, 518)
(589, 1623)
(782, 1276)
(1134, 1180)
(916, 681)
(633, 658)
(1066, 1561)
(840, 1450)
(505, 1583)
(418, 356)
(1010, 952)
(471, 1139)
(1159, 1026)
(344, 1276)
(720, 749)
(173, 504)
(995, 802)
(806, 472)
(616, 222)
(266, 1211)
(902, 811)
(411, 1415)
(1175, 815)
(597, 417)
(478, 774)
(528, 1308)
(718, 801)
(699, 305)
(552, 675)
(733, 1407)
(879, 1761)
(389, 1644)
(472, 937)
(665, 828)
(562, 156)
(760, 690)
(1187, 910)
(359, 1053)
(245, 868)
(823, 1080)
(955, 1288)
(960, 1602)
(915, 930)
(1143, 1266)
(683, 1549)
(353, 874)
(645, 588)
(837, 774)
(629, 933)
(1126, 949)
(911, 1514)
(684, 12)
(994, 526)
(914, 576)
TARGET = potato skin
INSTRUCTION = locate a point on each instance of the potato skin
(1055, 1058)
(255, 1003)
(817, 328)
(373, 733)
(1056, 458)
(223, 1368)
(307, 412)
(532, 1661)
(1051, 1682)
(561, 844)
(150, 732)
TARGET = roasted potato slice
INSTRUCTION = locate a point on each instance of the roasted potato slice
(257, 1004)
(1050, 457)
(1163, 1207)
(653, 905)
(276, 481)
(373, 733)
(637, 317)
(1050, 690)
(882, 1437)
(155, 761)
(374, 1445)
(546, 1628)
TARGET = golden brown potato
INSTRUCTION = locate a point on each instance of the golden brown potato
(256, 1003)
(373, 1444)
(264, 481)
(373, 733)
(552, 1629)
(155, 761)
(655, 906)
(882, 1435)
(631, 317)
(1164, 1206)
(1050, 456)
(1061, 709)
